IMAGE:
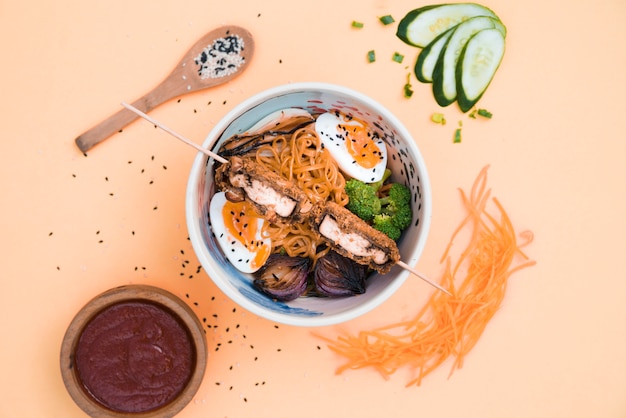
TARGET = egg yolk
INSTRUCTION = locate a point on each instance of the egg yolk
(242, 224)
(360, 144)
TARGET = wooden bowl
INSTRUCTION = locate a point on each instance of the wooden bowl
(128, 341)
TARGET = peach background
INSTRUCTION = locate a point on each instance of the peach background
(73, 227)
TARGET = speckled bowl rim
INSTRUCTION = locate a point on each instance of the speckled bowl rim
(192, 196)
(138, 292)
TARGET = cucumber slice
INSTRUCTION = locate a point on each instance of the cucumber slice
(421, 26)
(427, 58)
(444, 74)
(477, 65)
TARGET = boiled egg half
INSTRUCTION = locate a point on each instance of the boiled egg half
(359, 152)
(239, 232)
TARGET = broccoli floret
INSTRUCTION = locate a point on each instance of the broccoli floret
(390, 214)
(363, 201)
(385, 224)
(398, 205)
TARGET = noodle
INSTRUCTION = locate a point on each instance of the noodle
(301, 158)
(448, 325)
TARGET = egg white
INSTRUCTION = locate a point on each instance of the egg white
(238, 255)
(327, 127)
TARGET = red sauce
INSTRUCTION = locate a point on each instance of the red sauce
(135, 356)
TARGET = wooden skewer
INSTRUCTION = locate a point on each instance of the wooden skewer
(175, 134)
(405, 266)
(223, 161)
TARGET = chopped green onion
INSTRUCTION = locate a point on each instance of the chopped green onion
(397, 57)
(438, 118)
(371, 56)
(356, 24)
(457, 135)
(472, 114)
(408, 90)
(386, 20)
(485, 113)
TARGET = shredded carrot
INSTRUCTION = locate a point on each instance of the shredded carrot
(448, 326)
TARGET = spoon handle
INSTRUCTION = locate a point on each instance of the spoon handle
(123, 117)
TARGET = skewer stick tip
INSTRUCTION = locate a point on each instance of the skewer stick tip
(421, 276)
(174, 134)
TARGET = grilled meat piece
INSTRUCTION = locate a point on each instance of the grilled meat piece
(274, 197)
(352, 237)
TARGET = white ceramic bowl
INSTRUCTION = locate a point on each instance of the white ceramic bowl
(407, 166)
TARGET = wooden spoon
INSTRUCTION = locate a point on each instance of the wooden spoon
(217, 57)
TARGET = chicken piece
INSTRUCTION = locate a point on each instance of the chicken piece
(274, 197)
(352, 237)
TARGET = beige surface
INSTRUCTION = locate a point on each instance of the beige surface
(73, 226)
